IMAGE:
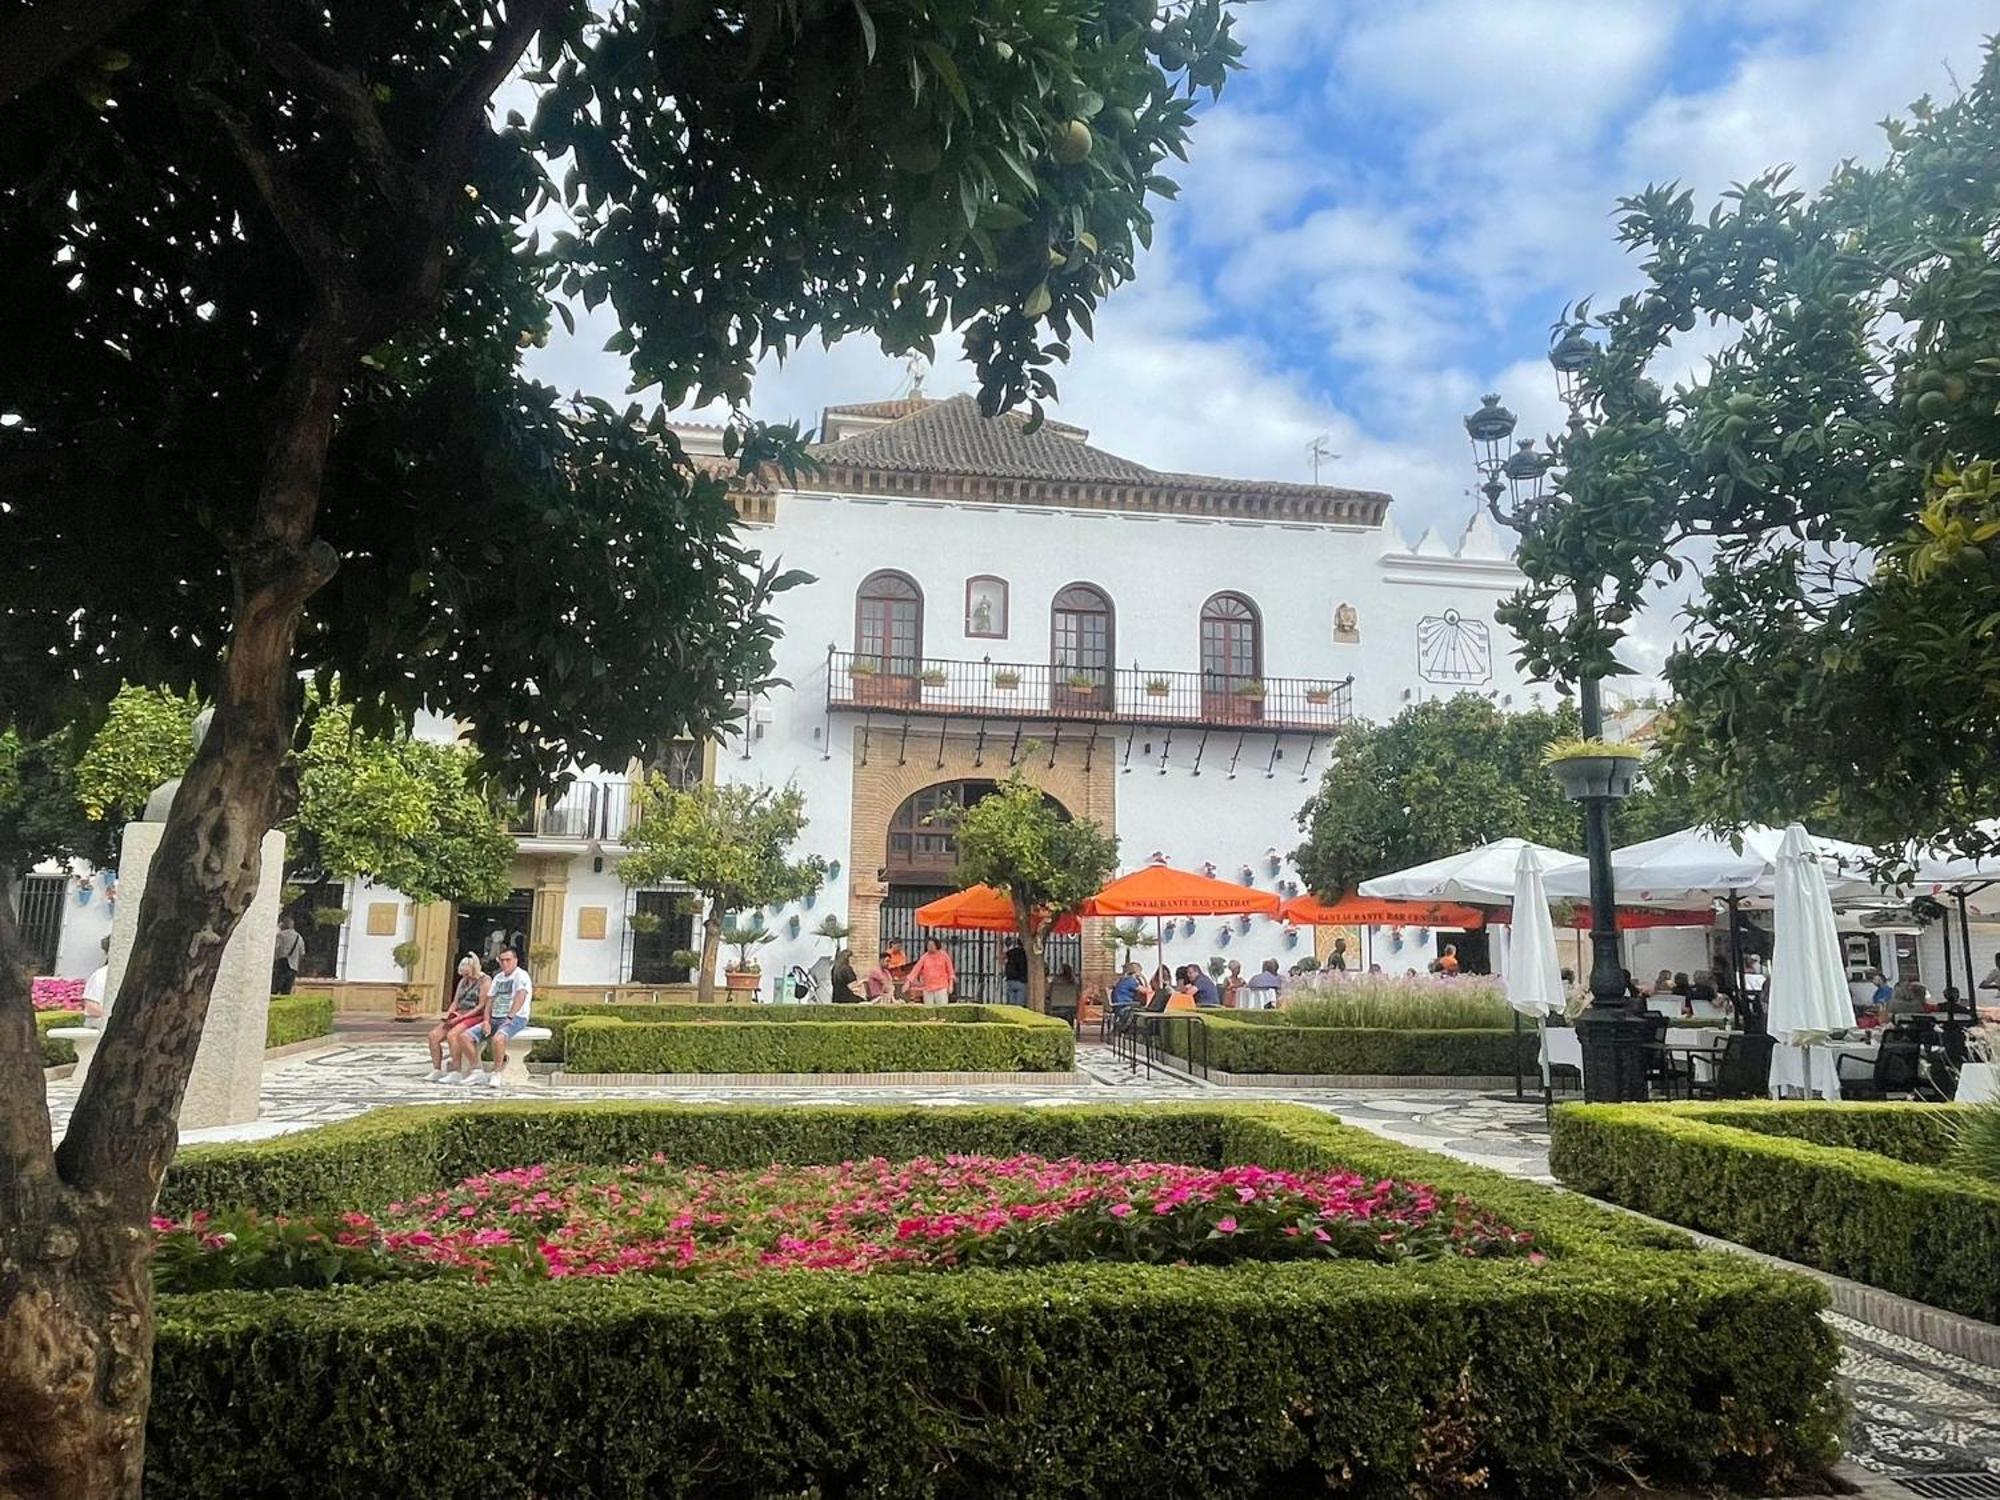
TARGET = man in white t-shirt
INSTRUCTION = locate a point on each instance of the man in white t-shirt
(507, 1007)
(93, 990)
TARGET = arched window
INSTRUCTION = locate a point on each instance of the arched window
(1081, 645)
(889, 625)
(1232, 658)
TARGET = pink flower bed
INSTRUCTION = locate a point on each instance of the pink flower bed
(655, 1218)
(45, 993)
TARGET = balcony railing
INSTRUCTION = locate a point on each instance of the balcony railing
(1120, 695)
(601, 810)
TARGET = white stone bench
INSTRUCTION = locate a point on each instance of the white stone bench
(518, 1046)
(84, 1039)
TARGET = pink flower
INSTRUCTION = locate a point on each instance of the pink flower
(1227, 1224)
(1120, 1210)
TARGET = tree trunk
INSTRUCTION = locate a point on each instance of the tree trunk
(711, 949)
(1032, 941)
(76, 1314)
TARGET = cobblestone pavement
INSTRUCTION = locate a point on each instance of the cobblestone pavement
(1917, 1411)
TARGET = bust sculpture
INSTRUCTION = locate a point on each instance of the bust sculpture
(162, 799)
(1345, 623)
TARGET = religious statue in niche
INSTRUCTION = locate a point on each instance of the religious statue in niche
(1454, 650)
(986, 607)
(1346, 625)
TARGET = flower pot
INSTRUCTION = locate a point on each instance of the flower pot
(406, 1005)
(1586, 776)
(742, 981)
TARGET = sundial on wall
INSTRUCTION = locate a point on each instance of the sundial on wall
(1454, 650)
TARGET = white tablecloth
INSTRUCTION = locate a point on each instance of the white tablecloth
(1978, 1083)
(1788, 1067)
(1562, 1046)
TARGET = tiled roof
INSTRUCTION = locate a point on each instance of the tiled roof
(962, 452)
(951, 437)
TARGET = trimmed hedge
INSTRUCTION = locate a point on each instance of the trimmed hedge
(1111, 1380)
(558, 1016)
(1261, 1042)
(297, 1018)
(994, 1043)
(1847, 1188)
(56, 1051)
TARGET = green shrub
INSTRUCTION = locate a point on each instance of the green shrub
(1371, 1001)
(1262, 1042)
(1029, 1044)
(1751, 1173)
(1975, 1146)
(297, 1018)
(1079, 1380)
(558, 1016)
(57, 1052)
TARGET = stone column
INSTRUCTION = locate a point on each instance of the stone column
(229, 1064)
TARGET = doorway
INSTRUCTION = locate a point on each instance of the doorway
(484, 930)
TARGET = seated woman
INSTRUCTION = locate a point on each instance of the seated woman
(468, 1004)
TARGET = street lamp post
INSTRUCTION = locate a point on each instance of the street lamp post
(1612, 1041)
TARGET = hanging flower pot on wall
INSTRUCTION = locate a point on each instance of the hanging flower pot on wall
(1243, 922)
(1222, 937)
(1291, 937)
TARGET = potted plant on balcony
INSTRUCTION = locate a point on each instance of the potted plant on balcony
(1006, 679)
(1158, 687)
(1250, 692)
(1319, 693)
(406, 956)
(744, 974)
(933, 683)
(1594, 768)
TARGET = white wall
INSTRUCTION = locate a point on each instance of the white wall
(1157, 571)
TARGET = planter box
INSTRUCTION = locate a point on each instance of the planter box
(743, 979)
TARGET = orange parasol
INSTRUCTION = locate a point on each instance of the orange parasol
(1360, 911)
(981, 908)
(1162, 891)
(1632, 918)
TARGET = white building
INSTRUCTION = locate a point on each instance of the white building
(1168, 654)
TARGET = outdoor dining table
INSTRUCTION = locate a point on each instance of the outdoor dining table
(1563, 1047)
(1789, 1071)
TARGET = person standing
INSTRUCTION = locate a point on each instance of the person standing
(1016, 972)
(509, 997)
(285, 956)
(932, 975)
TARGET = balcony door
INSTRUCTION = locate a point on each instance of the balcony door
(888, 639)
(1080, 649)
(1232, 659)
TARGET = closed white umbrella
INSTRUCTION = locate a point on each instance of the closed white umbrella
(1482, 876)
(1809, 997)
(1534, 973)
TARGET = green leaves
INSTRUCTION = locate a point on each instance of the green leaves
(1016, 840)
(1826, 469)
(732, 843)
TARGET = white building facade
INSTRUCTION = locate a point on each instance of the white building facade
(1170, 655)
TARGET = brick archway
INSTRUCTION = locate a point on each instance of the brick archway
(881, 786)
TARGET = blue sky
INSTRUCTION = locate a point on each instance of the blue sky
(1389, 206)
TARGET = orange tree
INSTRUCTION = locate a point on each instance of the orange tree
(1017, 840)
(262, 419)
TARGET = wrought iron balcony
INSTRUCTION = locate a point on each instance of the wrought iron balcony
(1120, 695)
(600, 810)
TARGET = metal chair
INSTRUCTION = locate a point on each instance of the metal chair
(1740, 1068)
(1896, 1072)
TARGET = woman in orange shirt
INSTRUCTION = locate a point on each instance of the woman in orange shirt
(932, 974)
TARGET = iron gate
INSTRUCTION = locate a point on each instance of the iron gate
(976, 955)
(40, 921)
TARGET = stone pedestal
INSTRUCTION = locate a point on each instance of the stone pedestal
(229, 1065)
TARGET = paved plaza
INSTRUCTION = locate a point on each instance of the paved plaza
(1918, 1411)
